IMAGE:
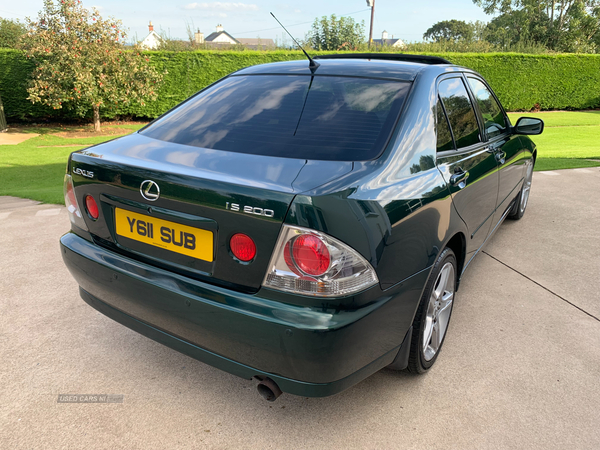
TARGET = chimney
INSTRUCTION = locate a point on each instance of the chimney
(150, 27)
(199, 37)
(219, 28)
(384, 35)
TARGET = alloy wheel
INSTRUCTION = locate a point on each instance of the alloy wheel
(526, 187)
(438, 311)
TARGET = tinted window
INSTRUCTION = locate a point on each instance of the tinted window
(327, 118)
(444, 136)
(491, 111)
(460, 112)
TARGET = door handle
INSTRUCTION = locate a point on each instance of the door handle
(500, 156)
(459, 177)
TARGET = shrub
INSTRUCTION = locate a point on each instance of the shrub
(561, 81)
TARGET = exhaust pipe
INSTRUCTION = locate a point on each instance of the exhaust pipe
(268, 388)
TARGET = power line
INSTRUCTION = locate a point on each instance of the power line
(14, 13)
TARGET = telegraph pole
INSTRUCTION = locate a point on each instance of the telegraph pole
(371, 3)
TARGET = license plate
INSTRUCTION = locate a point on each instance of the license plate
(170, 236)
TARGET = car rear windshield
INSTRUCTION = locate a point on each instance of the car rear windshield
(292, 116)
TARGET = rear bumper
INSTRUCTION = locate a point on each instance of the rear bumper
(307, 351)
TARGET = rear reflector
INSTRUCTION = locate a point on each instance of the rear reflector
(92, 207)
(242, 247)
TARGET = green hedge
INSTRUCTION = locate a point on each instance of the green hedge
(564, 81)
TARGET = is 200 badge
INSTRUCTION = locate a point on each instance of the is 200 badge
(250, 209)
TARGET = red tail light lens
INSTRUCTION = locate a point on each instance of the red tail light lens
(70, 193)
(311, 255)
(71, 204)
(92, 207)
(242, 247)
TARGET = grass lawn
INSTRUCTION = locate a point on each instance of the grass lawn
(35, 168)
(570, 139)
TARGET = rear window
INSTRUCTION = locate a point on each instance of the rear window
(291, 116)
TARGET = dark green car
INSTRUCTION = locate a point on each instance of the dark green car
(303, 226)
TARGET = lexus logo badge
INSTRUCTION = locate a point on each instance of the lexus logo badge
(150, 190)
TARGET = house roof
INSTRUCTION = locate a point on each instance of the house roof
(257, 43)
(387, 41)
(212, 36)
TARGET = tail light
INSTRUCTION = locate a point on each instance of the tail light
(309, 262)
(71, 203)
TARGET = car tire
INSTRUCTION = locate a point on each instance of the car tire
(518, 209)
(433, 314)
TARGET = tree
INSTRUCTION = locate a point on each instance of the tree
(81, 62)
(451, 30)
(10, 32)
(561, 25)
(336, 34)
(517, 27)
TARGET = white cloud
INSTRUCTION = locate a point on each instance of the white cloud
(226, 6)
(297, 11)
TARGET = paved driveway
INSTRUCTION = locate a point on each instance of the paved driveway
(520, 367)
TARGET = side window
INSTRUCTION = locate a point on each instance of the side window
(460, 112)
(491, 111)
(444, 136)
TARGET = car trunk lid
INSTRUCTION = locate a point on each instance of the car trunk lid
(203, 198)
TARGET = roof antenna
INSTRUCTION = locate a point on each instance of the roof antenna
(312, 65)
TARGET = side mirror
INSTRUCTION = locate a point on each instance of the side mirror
(529, 126)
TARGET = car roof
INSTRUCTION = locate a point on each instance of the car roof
(354, 67)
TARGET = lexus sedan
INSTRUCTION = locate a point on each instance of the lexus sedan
(302, 224)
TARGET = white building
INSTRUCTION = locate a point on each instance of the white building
(398, 43)
(153, 40)
(221, 37)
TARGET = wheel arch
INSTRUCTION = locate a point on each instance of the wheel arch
(458, 244)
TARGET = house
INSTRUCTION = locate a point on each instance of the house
(222, 38)
(218, 39)
(257, 44)
(153, 40)
(398, 43)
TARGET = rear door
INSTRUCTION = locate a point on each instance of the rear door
(464, 159)
(505, 146)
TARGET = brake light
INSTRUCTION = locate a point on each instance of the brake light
(71, 203)
(92, 207)
(309, 262)
(242, 247)
(310, 255)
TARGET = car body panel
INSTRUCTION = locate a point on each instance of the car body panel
(476, 199)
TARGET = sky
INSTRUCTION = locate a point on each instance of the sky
(407, 20)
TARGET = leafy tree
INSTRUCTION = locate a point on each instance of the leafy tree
(450, 30)
(561, 25)
(336, 34)
(517, 27)
(81, 62)
(10, 32)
